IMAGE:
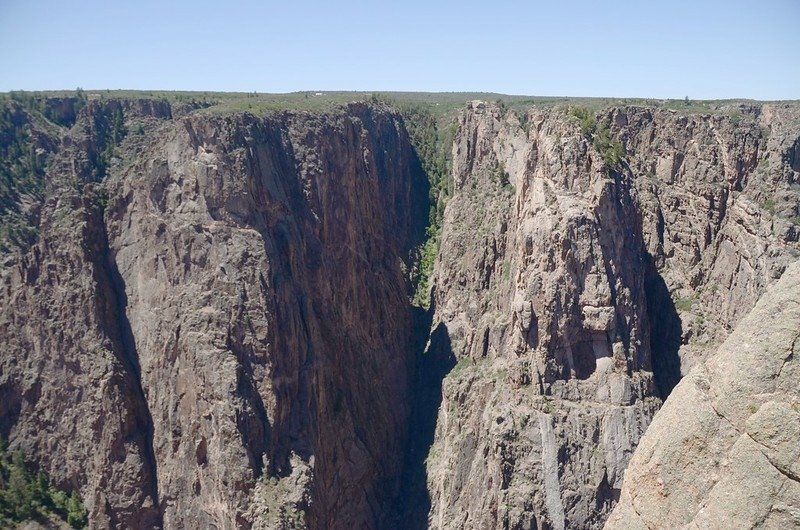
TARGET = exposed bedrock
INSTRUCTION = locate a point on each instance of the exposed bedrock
(723, 451)
(223, 340)
(574, 295)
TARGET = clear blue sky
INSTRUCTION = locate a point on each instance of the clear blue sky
(645, 48)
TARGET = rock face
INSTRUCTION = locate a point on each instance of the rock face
(219, 318)
(205, 316)
(541, 291)
(720, 198)
(564, 286)
(723, 452)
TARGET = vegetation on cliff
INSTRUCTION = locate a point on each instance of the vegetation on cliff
(432, 137)
(21, 175)
(599, 134)
(25, 495)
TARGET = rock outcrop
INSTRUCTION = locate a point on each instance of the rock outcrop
(573, 294)
(216, 314)
(720, 208)
(723, 451)
(541, 291)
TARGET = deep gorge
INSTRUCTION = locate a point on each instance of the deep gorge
(210, 317)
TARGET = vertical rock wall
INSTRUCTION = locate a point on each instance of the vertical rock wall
(212, 327)
(574, 295)
(221, 316)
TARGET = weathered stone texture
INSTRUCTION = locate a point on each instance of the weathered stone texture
(723, 451)
(564, 287)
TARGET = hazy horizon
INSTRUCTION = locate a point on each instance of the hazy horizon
(156, 91)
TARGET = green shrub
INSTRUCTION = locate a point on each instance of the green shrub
(25, 496)
(684, 304)
(426, 261)
(599, 134)
(500, 176)
(76, 513)
(524, 122)
(432, 139)
(22, 170)
(609, 147)
(461, 365)
(586, 120)
(110, 130)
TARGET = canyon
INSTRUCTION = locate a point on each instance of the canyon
(215, 314)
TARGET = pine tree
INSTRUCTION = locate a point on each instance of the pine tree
(76, 513)
(19, 494)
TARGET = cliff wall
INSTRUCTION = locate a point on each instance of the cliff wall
(215, 331)
(577, 280)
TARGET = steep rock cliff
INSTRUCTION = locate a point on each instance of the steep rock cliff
(215, 314)
(205, 314)
(720, 203)
(561, 289)
(71, 397)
